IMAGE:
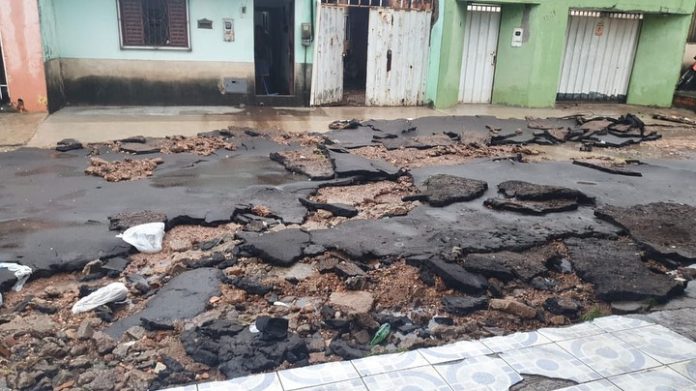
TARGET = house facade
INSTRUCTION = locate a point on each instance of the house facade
(530, 53)
(176, 52)
(533, 53)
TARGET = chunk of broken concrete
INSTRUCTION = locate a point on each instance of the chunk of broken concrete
(355, 302)
(513, 307)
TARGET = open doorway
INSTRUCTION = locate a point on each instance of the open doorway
(4, 93)
(355, 56)
(274, 53)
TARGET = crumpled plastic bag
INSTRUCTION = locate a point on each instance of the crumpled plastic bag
(21, 272)
(146, 238)
(116, 291)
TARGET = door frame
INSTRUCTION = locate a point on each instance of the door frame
(291, 52)
(472, 8)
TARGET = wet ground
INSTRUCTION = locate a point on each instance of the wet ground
(488, 230)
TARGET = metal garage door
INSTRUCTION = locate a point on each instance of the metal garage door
(599, 55)
(327, 70)
(479, 54)
(398, 50)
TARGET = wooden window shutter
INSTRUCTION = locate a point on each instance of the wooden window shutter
(178, 23)
(132, 26)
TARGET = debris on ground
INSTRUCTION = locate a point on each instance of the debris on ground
(377, 237)
(122, 170)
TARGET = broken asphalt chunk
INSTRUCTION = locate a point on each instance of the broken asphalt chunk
(341, 210)
(455, 276)
(349, 165)
(608, 168)
(526, 191)
(463, 305)
(665, 230)
(68, 144)
(617, 271)
(282, 248)
(442, 190)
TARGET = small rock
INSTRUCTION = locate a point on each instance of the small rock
(362, 337)
(513, 307)
(85, 331)
(356, 302)
(543, 284)
(463, 305)
(341, 348)
(136, 332)
(690, 290)
(139, 283)
(105, 344)
(627, 307)
(315, 344)
(443, 320)
(51, 292)
(562, 306)
(558, 320)
(159, 368)
(180, 245)
(356, 283)
(250, 286)
(272, 328)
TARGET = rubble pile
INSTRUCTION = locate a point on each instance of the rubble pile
(338, 254)
(123, 170)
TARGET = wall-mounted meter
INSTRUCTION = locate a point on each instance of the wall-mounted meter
(306, 34)
(517, 35)
(228, 29)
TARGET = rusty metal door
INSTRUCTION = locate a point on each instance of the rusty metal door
(327, 70)
(599, 55)
(479, 54)
(397, 53)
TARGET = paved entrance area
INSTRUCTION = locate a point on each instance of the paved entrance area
(17, 128)
(611, 353)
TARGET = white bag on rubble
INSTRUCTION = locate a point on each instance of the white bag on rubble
(21, 272)
(116, 291)
(147, 238)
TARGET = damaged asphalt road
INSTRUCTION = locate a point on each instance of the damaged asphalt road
(259, 271)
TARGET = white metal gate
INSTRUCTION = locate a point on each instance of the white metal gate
(479, 54)
(327, 70)
(599, 55)
(397, 57)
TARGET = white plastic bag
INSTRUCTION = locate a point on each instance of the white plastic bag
(21, 272)
(116, 291)
(147, 238)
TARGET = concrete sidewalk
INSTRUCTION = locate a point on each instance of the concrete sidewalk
(614, 353)
(17, 129)
(97, 124)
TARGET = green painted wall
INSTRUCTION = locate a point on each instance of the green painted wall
(49, 37)
(654, 78)
(529, 75)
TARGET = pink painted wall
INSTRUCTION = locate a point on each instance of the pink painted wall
(21, 46)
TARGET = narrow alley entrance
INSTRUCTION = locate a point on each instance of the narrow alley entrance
(4, 93)
(274, 54)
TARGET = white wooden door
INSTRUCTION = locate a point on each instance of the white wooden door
(600, 50)
(327, 69)
(479, 54)
(397, 57)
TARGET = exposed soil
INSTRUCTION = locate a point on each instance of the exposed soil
(125, 170)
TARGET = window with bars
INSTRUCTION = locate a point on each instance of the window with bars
(154, 23)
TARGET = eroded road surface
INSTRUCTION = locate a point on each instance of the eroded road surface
(283, 251)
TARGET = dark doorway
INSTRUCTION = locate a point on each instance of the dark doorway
(355, 56)
(274, 49)
(4, 94)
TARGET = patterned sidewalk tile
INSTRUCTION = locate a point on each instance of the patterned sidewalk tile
(454, 352)
(479, 373)
(348, 385)
(572, 332)
(515, 341)
(660, 343)
(660, 379)
(619, 323)
(262, 382)
(550, 361)
(375, 365)
(608, 355)
(686, 368)
(293, 379)
(599, 385)
(418, 379)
